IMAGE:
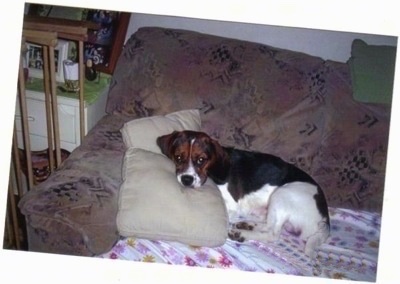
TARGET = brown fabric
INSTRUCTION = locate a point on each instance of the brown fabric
(74, 210)
(258, 97)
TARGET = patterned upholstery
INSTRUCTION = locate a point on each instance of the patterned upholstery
(258, 97)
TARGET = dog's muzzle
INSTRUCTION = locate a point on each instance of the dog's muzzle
(187, 180)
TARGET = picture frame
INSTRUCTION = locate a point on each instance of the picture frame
(34, 60)
(104, 45)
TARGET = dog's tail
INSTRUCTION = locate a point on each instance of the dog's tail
(317, 239)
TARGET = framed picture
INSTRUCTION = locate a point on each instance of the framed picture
(104, 44)
(34, 60)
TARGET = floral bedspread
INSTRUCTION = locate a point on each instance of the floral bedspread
(351, 251)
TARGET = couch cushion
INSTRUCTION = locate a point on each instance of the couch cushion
(372, 72)
(165, 70)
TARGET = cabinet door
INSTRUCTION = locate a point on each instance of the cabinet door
(68, 121)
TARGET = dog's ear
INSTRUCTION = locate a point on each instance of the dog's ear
(165, 143)
(219, 166)
(217, 149)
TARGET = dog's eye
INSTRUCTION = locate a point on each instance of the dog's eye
(200, 161)
(178, 159)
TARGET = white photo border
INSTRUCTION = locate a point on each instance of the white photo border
(347, 16)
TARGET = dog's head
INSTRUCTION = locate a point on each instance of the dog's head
(195, 154)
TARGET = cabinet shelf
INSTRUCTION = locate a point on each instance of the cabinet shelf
(91, 89)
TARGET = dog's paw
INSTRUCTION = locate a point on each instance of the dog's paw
(236, 236)
(244, 226)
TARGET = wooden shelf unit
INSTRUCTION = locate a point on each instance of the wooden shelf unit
(44, 32)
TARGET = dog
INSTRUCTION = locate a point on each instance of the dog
(268, 192)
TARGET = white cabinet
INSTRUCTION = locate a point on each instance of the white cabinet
(68, 116)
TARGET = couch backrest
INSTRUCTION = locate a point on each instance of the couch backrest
(257, 97)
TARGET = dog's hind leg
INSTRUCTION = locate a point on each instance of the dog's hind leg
(317, 239)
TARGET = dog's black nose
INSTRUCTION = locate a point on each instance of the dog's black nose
(187, 180)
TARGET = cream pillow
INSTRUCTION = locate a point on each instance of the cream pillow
(143, 132)
(153, 205)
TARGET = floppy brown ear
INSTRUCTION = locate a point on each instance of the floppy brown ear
(165, 142)
(219, 166)
(219, 151)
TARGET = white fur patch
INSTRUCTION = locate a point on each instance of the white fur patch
(230, 203)
(190, 171)
(294, 203)
(253, 206)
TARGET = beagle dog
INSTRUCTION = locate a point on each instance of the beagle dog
(265, 191)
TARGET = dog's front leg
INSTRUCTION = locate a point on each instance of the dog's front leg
(268, 230)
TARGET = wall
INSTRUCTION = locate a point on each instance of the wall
(326, 44)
